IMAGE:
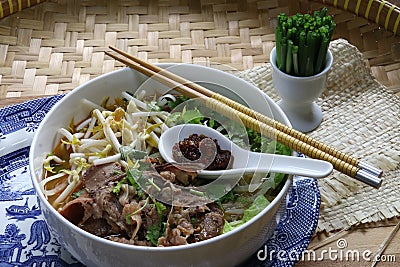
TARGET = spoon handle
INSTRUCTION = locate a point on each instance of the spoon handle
(262, 162)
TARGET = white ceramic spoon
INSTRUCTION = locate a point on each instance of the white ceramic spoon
(244, 161)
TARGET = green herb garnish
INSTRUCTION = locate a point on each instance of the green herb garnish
(153, 233)
(156, 230)
(128, 216)
(129, 179)
(78, 193)
(302, 42)
(179, 100)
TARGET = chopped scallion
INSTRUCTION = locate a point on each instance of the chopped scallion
(302, 42)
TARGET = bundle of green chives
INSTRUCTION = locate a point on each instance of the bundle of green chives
(302, 42)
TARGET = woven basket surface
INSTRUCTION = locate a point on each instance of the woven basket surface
(54, 46)
(362, 118)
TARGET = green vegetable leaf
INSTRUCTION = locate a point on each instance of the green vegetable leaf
(278, 178)
(192, 116)
(117, 188)
(132, 176)
(160, 208)
(132, 154)
(138, 211)
(211, 123)
(260, 203)
(153, 233)
(174, 118)
(156, 230)
(179, 100)
(282, 149)
(230, 196)
(153, 106)
(246, 201)
(227, 227)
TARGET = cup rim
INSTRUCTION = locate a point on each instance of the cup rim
(328, 65)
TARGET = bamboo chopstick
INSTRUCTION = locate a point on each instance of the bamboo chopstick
(261, 117)
(257, 121)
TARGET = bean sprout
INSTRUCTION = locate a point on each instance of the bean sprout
(162, 100)
(83, 124)
(97, 140)
(90, 128)
(109, 159)
(64, 132)
(92, 105)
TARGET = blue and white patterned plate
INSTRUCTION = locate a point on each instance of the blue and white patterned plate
(25, 239)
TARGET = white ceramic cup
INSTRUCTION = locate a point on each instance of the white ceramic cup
(298, 94)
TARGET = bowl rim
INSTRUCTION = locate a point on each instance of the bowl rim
(95, 238)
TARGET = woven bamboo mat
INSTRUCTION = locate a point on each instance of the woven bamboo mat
(362, 118)
(54, 46)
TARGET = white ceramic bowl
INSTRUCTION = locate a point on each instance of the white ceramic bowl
(225, 250)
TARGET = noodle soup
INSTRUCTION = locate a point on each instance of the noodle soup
(95, 177)
(226, 249)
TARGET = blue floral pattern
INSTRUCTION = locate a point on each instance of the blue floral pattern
(25, 239)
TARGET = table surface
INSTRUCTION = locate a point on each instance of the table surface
(364, 241)
(360, 243)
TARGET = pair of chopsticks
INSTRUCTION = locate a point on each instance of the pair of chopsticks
(273, 129)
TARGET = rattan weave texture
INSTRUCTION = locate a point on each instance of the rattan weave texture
(362, 118)
(54, 46)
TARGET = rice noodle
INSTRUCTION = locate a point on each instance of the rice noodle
(68, 190)
(43, 182)
(97, 140)
(58, 188)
